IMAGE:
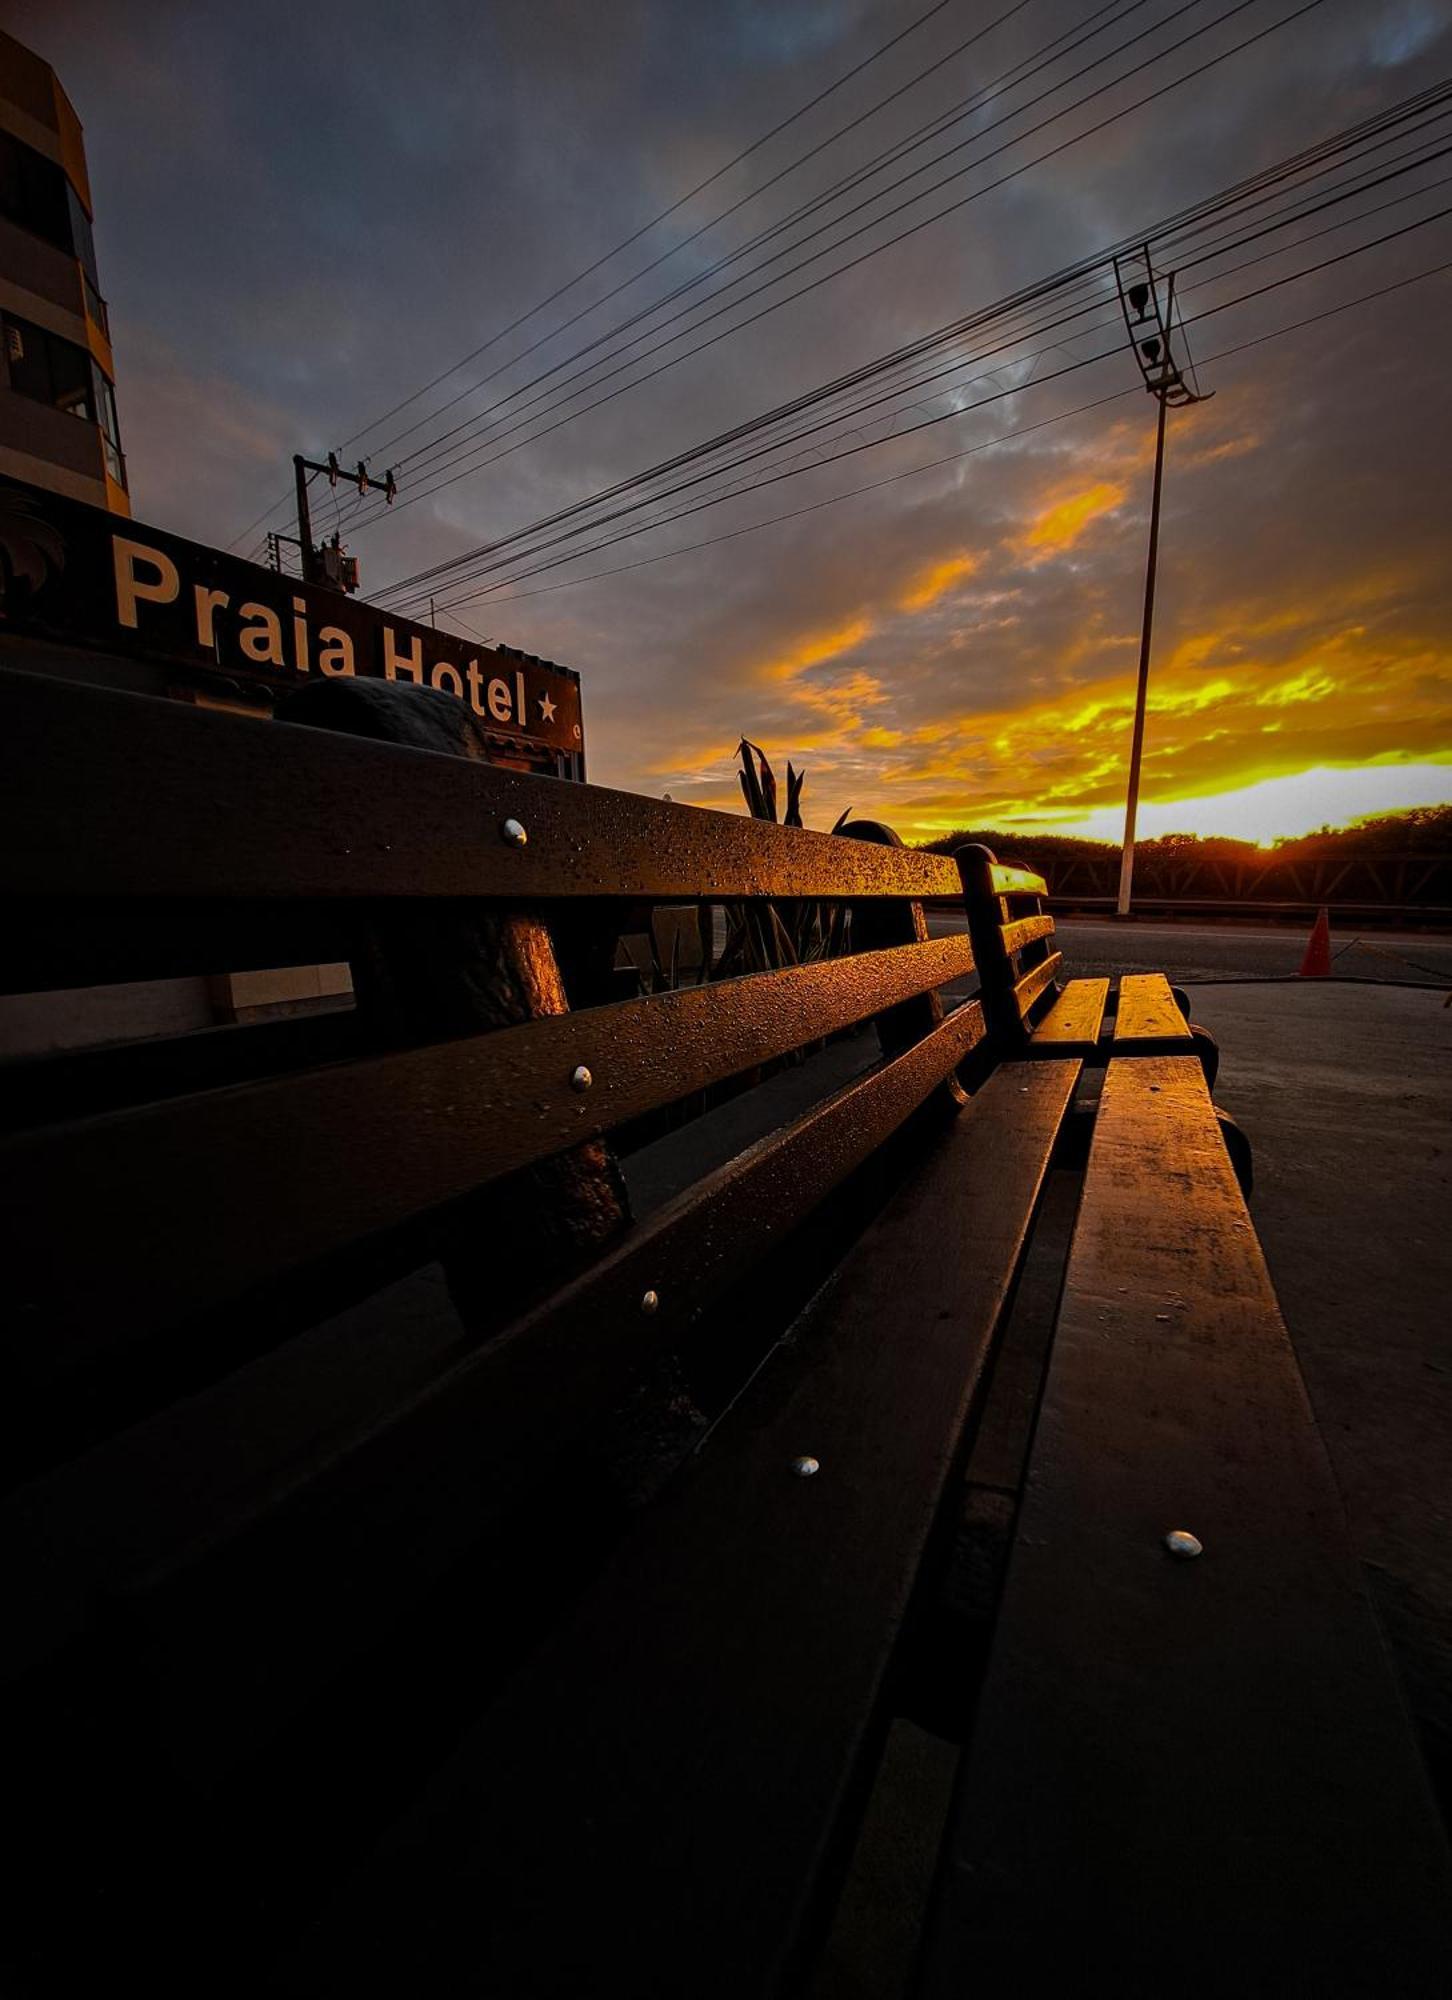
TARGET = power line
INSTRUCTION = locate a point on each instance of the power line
(1030, 66)
(801, 112)
(1042, 58)
(754, 194)
(473, 557)
(1089, 361)
(952, 458)
(876, 222)
(912, 229)
(1166, 244)
(439, 485)
(1342, 192)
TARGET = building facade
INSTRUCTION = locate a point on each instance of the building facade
(58, 426)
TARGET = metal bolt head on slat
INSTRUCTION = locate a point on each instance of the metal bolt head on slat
(580, 1078)
(514, 834)
(1183, 1545)
(806, 1467)
(650, 1302)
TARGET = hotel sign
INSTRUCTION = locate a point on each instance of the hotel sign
(85, 577)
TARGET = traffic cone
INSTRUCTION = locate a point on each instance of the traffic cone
(1317, 962)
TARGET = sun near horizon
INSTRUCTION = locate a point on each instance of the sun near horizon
(1325, 798)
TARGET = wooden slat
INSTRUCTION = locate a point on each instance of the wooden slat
(1017, 881)
(1026, 931)
(151, 1501)
(234, 809)
(1201, 1769)
(1035, 981)
(652, 1806)
(81, 1083)
(55, 942)
(339, 1153)
(1073, 1022)
(1147, 1011)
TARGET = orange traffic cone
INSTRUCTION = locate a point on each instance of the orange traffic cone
(1317, 962)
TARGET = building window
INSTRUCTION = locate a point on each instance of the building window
(110, 429)
(83, 244)
(35, 193)
(96, 307)
(56, 371)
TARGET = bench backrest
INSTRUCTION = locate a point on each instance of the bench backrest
(252, 1450)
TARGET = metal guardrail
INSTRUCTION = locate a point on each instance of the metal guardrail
(1248, 909)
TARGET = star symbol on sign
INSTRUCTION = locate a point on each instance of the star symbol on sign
(546, 708)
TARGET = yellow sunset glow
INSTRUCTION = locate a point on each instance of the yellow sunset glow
(992, 685)
(1277, 808)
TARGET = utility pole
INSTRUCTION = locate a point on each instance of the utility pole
(1149, 330)
(328, 564)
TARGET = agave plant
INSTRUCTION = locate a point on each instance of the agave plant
(763, 937)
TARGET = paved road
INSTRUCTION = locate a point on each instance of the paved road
(1346, 1093)
(1190, 952)
(1210, 951)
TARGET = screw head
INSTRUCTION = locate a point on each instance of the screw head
(649, 1302)
(580, 1078)
(1183, 1545)
(514, 834)
(806, 1467)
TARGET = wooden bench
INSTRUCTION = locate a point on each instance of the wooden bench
(1034, 1012)
(423, 1577)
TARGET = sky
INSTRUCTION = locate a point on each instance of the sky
(304, 215)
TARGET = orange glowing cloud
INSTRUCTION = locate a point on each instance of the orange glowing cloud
(1061, 524)
(815, 651)
(949, 699)
(936, 581)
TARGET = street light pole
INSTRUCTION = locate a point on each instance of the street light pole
(1149, 328)
(1136, 748)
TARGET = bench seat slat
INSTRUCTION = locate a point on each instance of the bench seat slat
(653, 1802)
(338, 1152)
(1147, 1012)
(1072, 1024)
(163, 1496)
(236, 811)
(1186, 1777)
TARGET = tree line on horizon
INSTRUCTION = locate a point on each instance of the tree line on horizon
(1418, 830)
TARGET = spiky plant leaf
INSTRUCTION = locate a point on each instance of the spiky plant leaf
(768, 785)
(795, 781)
